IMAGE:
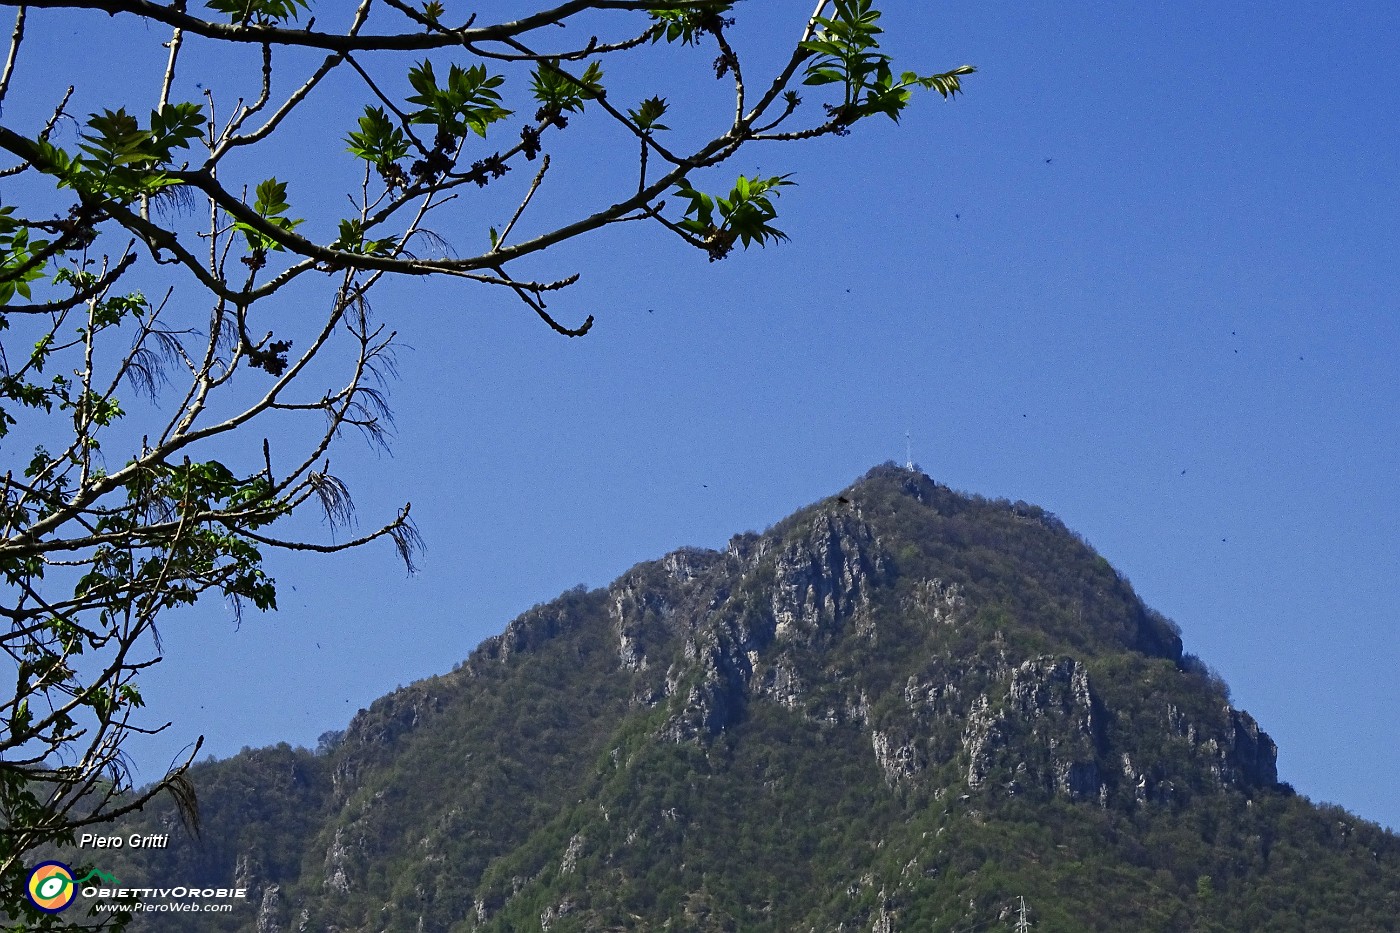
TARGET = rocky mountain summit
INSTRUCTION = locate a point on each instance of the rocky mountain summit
(900, 709)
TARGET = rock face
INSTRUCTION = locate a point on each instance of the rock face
(1250, 751)
(823, 580)
(810, 730)
(745, 643)
(269, 910)
(1049, 709)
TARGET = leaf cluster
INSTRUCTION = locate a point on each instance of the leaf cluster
(469, 101)
(379, 141)
(847, 53)
(746, 215)
(258, 12)
(270, 203)
(689, 24)
(560, 92)
(21, 258)
(648, 115)
(120, 160)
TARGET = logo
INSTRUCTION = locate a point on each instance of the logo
(51, 887)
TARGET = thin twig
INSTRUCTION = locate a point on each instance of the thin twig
(15, 39)
(534, 186)
(177, 39)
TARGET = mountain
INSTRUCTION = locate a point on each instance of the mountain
(900, 709)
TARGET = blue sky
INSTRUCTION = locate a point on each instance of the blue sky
(1142, 274)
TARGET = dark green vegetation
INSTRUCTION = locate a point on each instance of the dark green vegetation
(900, 709)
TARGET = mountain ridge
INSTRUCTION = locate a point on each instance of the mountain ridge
(900, 695)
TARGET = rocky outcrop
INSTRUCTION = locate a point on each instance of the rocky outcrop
(337, 877)
(656, 602)
(374, 733)
(825, 579)
(937, 602)
(571, 853)
(556, 912)
(716, 694)
(814, 590)
(899, 760)
(635, 610)
(1233, 749)
(884, 920)
(269, 908)
(1044, 731)
(531, 630)
(1250, 751)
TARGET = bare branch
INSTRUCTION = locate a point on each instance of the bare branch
(414, 41)
(16, 38)
(177, 38)
(534, 186)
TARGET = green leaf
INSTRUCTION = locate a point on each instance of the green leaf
(121, 160)
(173, 127)
(648, 115)
(560, 92)
(686, 24)
(271, 204)
(20, 258)
(352, 240)
(469, 101)
(744, 216)
(262, 12)
(846, 51)
(129, 695)
(21, 719)
(379, 141)
(271, 197)
(947, 83)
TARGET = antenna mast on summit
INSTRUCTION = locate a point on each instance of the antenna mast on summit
(908, 452)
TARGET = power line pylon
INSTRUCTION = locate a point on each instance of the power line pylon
(1022, 924)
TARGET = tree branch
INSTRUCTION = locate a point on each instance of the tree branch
(338, 42)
